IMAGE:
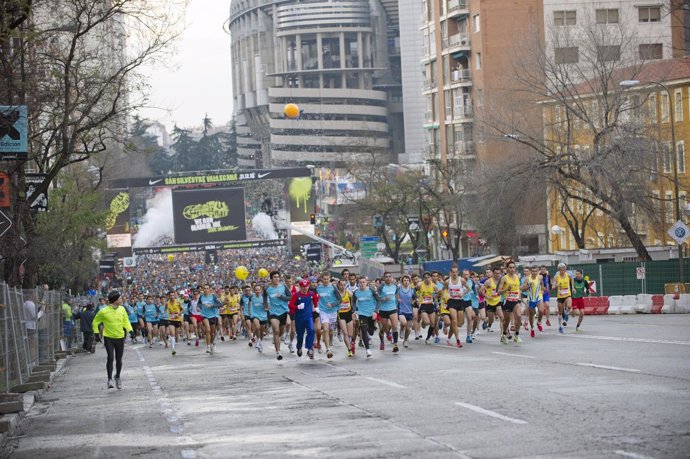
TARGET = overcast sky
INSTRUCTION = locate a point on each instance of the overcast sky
(199, 79)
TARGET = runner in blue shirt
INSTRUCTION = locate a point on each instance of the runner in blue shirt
(150, 318)
(329, 303)
(210, 305)
(366, 302)
(388, 310)
(259, 312)
(406, 297)
(277, 296)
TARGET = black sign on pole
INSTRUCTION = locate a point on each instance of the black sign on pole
(313, 251)
(38, 203)
(209, 215)
(211, 257)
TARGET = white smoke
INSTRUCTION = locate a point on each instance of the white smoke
(158, 221)
(263, 226)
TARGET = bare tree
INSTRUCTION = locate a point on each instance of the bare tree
(76, 65)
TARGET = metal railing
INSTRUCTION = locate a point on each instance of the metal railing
(460, 75)
(31, 328)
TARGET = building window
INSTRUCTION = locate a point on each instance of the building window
(680, 156)
(449, 104)
(476, 22)
(480, 98)
(649, 13)
(608, 53)
(667, 158)
(665, 112)
(564, 17)
(651, 108)
(651, 51)
(678, 105)
(478, 61)
(569, 55)
(607, 16)
(668, 206)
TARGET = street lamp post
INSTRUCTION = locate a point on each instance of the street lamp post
(674, 151)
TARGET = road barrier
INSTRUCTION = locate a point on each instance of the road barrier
(31, 328)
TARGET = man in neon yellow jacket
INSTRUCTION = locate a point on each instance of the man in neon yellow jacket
(115, 325)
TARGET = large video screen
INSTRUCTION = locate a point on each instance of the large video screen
(209, 215)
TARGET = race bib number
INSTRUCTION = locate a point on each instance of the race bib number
(174, 316)
(345, 306)
(455, 293)
(564, 291)
(300, 306)
(427, 299)
(513, 296)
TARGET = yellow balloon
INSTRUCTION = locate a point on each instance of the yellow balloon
(263, 272)
(291, 111)
(241, 272)
(171, 258)
(298, 258)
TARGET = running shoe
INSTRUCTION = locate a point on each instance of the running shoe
(189, 343)
(213, 348)
(448, 342)
(405, 344)
(389, 337)
(458, 344)
(234, 338)
(286, 339)
(361, 343)
(368, 353)
(299, 352)
(291, 348)
(208, 349)
(222, 338)
(118, 383)
(418, 337)
(504, 339)
(484, 325)
(395, 348)
(540, 327)
(340, 337)
(560, 329)
(426, 341)
(468, 339)
(259, 347)
(329, 353)
(196, 343)
(174, 352)
(349, 353)
(526, 324)
(517, 339)
(509, 336)
(279, 356)
(437, 340)
(382, 346)
(548, 323)
(531, 333)
(490, 330)
(577, 330)
(352, 346)
(110, 384)
(310, 353)
(319, 349)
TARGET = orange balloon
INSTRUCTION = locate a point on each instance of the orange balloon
(291, 111)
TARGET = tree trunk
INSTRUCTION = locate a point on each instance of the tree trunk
(634, 238)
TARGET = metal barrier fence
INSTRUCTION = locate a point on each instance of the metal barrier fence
(31, 327)
(633, 277)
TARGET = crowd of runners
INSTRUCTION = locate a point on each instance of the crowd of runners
(304, 313)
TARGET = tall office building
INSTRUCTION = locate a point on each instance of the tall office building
(338, 60)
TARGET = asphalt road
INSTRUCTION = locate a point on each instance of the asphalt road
(619, 389)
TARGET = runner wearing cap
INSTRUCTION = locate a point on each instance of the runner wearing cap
(563, 284)
(303, 303)
(115, 323)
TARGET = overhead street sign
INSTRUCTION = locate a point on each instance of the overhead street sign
(5, 223)
(679, 232)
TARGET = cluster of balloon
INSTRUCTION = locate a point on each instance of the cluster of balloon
(292, 111)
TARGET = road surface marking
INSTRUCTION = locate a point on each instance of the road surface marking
(631, 340)
(514, 355)
(387, 383)
(493, 414)
(606, 367)
(633, 455)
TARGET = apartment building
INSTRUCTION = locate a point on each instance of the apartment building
(338, 60)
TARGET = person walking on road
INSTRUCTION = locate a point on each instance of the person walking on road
(85, 317)
(115, 324)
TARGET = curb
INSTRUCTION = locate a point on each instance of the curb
(9, 422)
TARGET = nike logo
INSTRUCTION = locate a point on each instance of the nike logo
(153, 182)
(263, 175)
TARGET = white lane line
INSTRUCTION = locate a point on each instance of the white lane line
(633, 455)
(387, 383)
(493, 414)
(606, 367)
(630, 340)
(514, 355)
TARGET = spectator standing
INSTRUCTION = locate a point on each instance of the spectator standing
(85, 317)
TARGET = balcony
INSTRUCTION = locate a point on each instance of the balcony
(456, 8)
(463, 113)
(465, 150)
(461, 76)
(429, 85)
(457, 42)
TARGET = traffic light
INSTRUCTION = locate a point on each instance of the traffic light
(444, 233)
(312, 219)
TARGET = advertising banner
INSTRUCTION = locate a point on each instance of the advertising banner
(14, 128)
(209, 215)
